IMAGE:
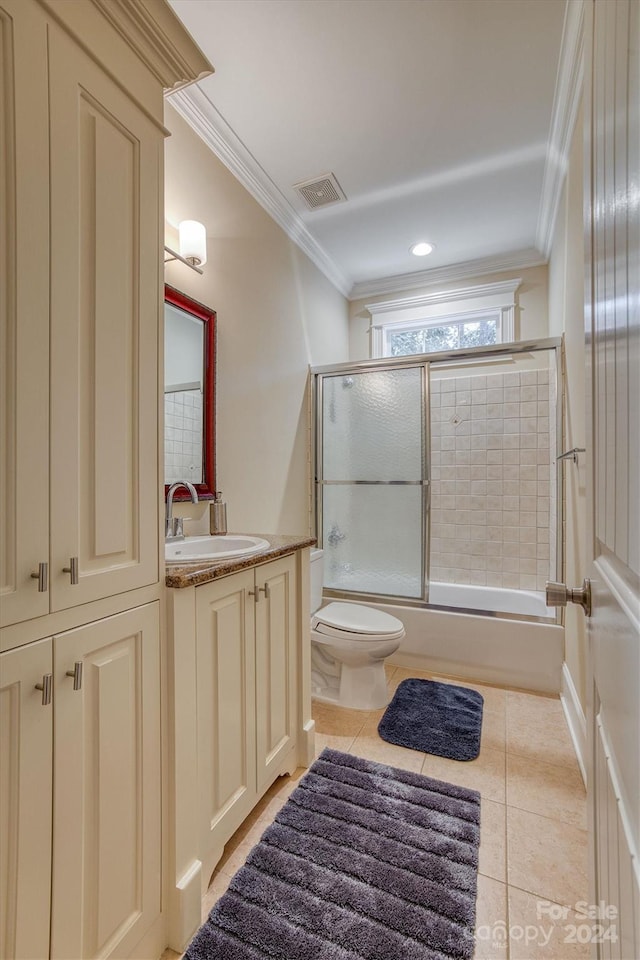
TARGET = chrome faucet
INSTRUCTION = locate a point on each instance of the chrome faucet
(173, 529)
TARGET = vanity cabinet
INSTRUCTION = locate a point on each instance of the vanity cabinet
(239, 704)
(80, 811)
(246, 656)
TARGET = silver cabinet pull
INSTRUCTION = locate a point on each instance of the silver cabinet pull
(76, 673)
(258, 590)
(72, 569)
(559, 594)
(46, 686)
(42, 576)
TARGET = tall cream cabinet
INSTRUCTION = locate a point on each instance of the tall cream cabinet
(81, 225)
(81, 709)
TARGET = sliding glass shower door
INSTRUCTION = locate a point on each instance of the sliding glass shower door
(371, 463)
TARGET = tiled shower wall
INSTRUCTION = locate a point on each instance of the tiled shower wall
(493, 510)
(183, 436)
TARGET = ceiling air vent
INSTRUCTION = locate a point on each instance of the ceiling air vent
(320, 192)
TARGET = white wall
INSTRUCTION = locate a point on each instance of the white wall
(531, 315)
(277, 313)
(566, 315)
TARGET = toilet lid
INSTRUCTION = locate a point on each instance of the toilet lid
(355, 618)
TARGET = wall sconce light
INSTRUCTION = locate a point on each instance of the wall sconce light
(193, 245)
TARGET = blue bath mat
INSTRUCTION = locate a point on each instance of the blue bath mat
(436, 718)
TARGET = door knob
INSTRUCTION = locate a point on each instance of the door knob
(559, 595)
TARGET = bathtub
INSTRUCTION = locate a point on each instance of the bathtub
(525, 603)
(485, 647)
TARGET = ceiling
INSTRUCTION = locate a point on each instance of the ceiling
(442, 120)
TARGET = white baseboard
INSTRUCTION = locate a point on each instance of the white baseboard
(576, 719)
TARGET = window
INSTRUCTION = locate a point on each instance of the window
(450, 320)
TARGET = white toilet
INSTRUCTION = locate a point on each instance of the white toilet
(349, 644)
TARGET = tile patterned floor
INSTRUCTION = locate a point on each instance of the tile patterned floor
(533, 834)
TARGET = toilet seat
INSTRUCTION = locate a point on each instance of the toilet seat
(352, 621)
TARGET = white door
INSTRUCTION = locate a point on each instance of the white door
(612, 85)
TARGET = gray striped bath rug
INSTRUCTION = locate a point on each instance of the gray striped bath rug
(363, 862)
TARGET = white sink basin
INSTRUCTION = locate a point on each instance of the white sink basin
(199, 549)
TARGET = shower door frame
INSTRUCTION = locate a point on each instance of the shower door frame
(425, 482)
(425, 361)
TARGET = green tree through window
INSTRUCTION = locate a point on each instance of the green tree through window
(454, 335)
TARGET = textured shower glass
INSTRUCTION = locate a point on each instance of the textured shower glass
(372, 539)
(494, 512)
(373, 426)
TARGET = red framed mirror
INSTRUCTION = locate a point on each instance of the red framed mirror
(189, 394)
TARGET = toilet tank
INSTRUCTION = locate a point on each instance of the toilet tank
(316, 568)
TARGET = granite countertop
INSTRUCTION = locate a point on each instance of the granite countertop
(192, 574)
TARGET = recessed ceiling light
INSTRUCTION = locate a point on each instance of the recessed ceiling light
(421, 249)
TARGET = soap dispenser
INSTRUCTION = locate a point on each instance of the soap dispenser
(218, 515)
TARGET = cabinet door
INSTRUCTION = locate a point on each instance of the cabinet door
(226, 707)
(276, 667)
(24, 310)
(106, 161)
(106, 820)
(26, 728)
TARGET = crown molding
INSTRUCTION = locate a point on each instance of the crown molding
(497, 289)
(518, 260)
(158, 38)
(565, 109)
(198, 111)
